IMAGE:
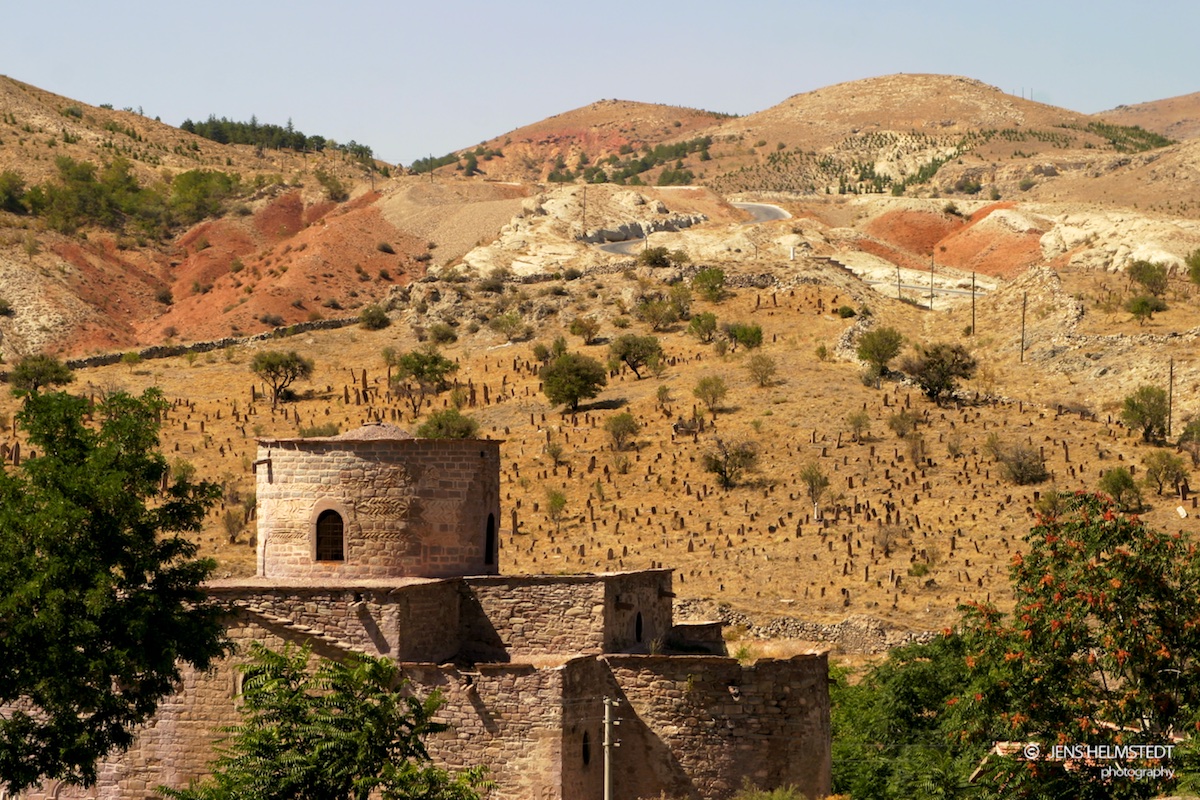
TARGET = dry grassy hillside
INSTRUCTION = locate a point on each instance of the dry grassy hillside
(1174, 117)
(911, 527)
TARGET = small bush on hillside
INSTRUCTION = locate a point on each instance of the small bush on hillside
(374, 318)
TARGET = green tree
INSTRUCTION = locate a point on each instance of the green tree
(709, 283)
(762, 369)
(728, 460)
(745, 334)
(344, 731)
(622, 428)
(1146, 410)
(35, 372)
(1144, 306)
(449, 423)
(374, 317)
(1101, 648)
(421, 374)
(1164, 469)
(655, 257)
(12, 192)
(816, 483)
(878, 347)
(656, 312)
(1189, 440)
(1151, 276)
(703, 326)
(586, 328)
(635, 352)
(937, 368)
(1118, 483)
(1193, 265)
(860, 424)
(280, 370)
(101, 598)
(571, 378)
(710, 390)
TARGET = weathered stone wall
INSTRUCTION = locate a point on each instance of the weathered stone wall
(632, 597)
(410, 507)
(507, 717)
(510, 618)
(412, 622)
(696, 726)
(177, 745)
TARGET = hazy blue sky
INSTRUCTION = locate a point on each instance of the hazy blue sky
(410, 79)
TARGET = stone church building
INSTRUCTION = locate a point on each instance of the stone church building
(380, 543)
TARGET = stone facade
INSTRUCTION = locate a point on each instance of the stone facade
(524, 662)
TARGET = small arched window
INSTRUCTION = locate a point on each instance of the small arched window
(489, 542)
(331, 537)
(637, 628)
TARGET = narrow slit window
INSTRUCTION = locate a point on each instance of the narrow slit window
(489, 542)
(331, 537)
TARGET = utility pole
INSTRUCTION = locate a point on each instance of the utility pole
(1024, 300)
(897, 281)
(585, 210)
(931, 281)
(609, 744)
(972, 304)
(1170, 395)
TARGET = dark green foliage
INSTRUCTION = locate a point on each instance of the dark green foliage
(709, 283)
(893, 731)
(1189, 441)
(655, 257)
(1021, 463)
(429, 164)
(385, 247)
(280, 370)
(570, 378)
(12, 192)
(1151, 276)
(274, 137)
(1164, 469)
(200, 193)
(347, 730)
(1193, 264)
(442, 333)
(586, 328)
(622, 428)
(35, 372)
(1128, 139)
(421, 374)
(846, 312)
(335, 190)
(635, 352)
(937, 368)
(374, 318)
(1100, 649)
(878, 347)
(703, 326)
(449, 423)
(100, 598)
(1118, 483)
(1144, 306)
(746, 334)
(1146, 410)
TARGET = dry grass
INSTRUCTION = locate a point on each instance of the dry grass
(756, 546)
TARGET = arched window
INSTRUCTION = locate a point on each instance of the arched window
(331, 539)
(637, 628)
(489, 542)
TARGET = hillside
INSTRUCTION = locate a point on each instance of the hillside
(1175, 117)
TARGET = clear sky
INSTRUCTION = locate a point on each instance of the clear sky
(417, 78)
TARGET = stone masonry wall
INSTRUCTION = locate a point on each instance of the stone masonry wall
(410, 507)
(417, 622)
(507, 717)
(630, 595)
(177, 745)
(696, 726)
(512, 618)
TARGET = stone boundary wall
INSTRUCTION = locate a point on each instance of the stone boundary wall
(700, 725)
